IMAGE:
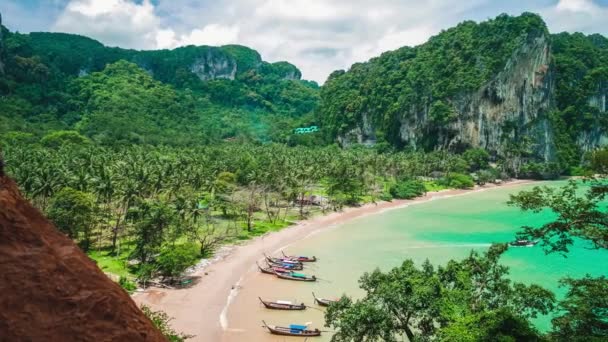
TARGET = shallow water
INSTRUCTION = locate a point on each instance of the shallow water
(438, 230)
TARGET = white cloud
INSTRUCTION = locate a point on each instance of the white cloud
(114, 22)
(576, 15)
(318, 36)
(212, 34)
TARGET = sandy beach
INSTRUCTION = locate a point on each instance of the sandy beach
(202, 310)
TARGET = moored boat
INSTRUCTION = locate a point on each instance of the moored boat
(300, 258)
(282, 305)
(282, 260)
(523, 243)
(322, 301)
(292, 330)
(296, 276)
(295, 267)
(272, 269)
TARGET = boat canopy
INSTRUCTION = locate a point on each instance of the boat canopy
(284, 302)
(296, 328)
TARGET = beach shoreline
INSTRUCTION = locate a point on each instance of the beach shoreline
(201, 310)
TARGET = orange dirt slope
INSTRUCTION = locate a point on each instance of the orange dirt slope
(50, 290)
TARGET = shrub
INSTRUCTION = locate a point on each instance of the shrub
(174, 260)
(458, 181)
(406, 189)
(127, 285)
(58, 138)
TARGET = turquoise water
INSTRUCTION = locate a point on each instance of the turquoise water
(438, 230)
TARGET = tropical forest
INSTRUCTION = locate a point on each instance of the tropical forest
(453, 190)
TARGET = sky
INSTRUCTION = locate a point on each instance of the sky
(318, 36)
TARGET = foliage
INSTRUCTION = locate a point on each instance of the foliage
(579, 216)
(457, 181)
(73, 211)
(127, 285)
(407, 189)
(422, 302)
(57, 138)
(161, 321)
(56, 81)
(584, 312)
(174, 260)
(477, 158)
(498, 325)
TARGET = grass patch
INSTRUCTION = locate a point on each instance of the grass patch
(109, 263)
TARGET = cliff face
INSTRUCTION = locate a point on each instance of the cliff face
(512, 105)
(596, 136)
(51, 291)
(211, 65)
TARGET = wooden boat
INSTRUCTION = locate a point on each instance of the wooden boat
(294, 267)
(300, 258)
(296, 276)
(272, 270)
(322, 301)
(282, 261)
(523, 243)
(282, 305)
(292, 330)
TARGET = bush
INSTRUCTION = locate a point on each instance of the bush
(127, 285)
(406, 189)
(477, 158)
(174, 260)
(58, 138)
(458, 181)
(486, 176)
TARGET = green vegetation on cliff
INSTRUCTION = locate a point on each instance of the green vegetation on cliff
(187, 96)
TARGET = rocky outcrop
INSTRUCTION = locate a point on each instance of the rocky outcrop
(213, 65)
(51, 291)
(597, 135)
(511, 105)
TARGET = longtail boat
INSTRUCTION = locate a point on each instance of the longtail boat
(282, 260)
(292, 330)
(523, 243)
(272, 269)
(282, 305)
(296, 276)
(300, 258)
(322, 301)
(294, 267)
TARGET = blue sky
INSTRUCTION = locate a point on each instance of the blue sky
(319, 36)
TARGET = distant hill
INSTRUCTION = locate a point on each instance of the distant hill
(57, 81)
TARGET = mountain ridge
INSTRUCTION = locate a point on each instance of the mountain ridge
(491, 84)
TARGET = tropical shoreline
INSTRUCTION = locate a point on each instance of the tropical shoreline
(201, 310)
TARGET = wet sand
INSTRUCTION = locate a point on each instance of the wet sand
(204, 310)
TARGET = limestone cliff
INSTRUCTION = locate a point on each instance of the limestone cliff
(512, 104)
(212, 65)
(51, 291)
